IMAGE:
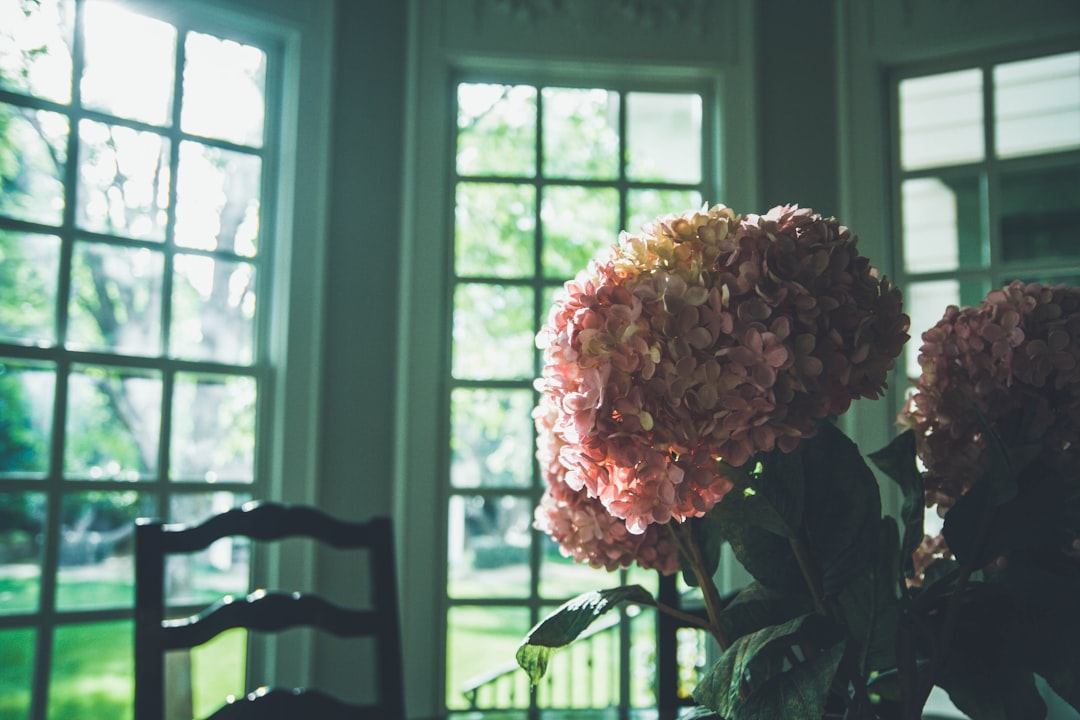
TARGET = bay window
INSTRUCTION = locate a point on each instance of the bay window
(140, 323)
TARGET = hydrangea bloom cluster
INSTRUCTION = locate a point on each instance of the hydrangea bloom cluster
(581, 525)
(1014, 358)
(708, 337)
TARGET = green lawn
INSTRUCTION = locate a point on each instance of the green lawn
(92, 676)
(484, 639)
(92, 663)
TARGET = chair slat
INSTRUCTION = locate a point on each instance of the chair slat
(268, 611)
(292, 704)
(271, 521)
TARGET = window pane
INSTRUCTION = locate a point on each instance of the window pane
(491, 440)
(22, 533)
(577, 222)
(494, 230)
(1037, 105)
(213, 428)
(581, 133)
(33, 148)
(123, 181)
(217, 199)
(941, 120)
(213, 304)
(218, 671)
(29, 266)
(561, 578)
(493, 332)
(92, 672)
(224, 89)
(650, 580)
(97, 545)
(115, 38)
(1040, 214)
(478, 640)
(691, 656)
(116, 299)
(26, 413)
(496, 130)
(35, 47)
(585, 674)
(646, 205)
(925, 304)
(642, 656)
(113, 421)
(488, 543)
(663, 133)
(219, 570)
(943, 228)
(17, 659)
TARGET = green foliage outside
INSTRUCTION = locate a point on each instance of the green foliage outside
(112, 419)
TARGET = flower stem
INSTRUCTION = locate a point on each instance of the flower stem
(686, 617)
(684, 538)
(849, 663)
(809, 572)
(952, 610)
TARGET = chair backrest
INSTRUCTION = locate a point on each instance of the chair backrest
(267, 611)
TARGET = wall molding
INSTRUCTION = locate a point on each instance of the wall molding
(673, 30)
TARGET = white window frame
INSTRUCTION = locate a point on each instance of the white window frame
(423, 353)
(876, 40)
(291, 324)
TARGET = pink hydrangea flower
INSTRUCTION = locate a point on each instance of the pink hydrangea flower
(708, 336)
(580, 524)
(1014, 359)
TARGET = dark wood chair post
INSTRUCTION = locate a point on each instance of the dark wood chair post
(385, 598)
(149, 612)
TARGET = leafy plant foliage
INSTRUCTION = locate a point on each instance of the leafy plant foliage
(838, 622)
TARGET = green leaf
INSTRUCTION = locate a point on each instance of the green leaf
(1056, 657)
(823, 491)
(871, 606)
(565, 624)
(897, 461)
(751, 506)
(1043, 596)
(842, 507)
(782, 485)
(798, 693)
(985, 684)
(765, 555)
(757, 531)
(1032, 518)
(757, 606)
(755, 679)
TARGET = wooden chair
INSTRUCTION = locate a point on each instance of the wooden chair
(267, 611)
